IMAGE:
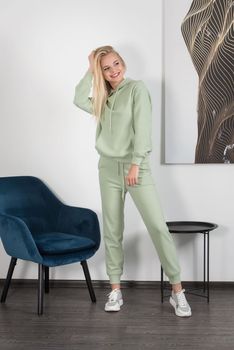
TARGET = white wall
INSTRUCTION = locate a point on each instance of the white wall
(44, 49)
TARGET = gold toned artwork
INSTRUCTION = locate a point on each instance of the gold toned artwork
(208, 31)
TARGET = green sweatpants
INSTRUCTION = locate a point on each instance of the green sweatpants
(113, 188)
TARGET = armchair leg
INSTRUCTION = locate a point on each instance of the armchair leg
(88, 280)
(8, 279)
(41, 273)
(47, 280)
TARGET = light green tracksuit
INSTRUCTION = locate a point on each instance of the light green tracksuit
(123, 137)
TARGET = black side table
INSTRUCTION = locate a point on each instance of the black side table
(188, 227)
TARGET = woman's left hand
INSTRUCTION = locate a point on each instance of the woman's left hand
(132, 177)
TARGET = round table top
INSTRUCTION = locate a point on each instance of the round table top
(190, 226)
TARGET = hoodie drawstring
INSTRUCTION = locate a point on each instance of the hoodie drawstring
(112, 107)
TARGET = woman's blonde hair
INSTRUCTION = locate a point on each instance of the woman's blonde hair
(101, 87)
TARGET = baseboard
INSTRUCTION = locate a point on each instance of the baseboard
(124, 284)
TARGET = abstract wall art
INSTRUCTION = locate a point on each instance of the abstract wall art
(203, 115)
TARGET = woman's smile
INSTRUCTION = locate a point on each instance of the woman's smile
(115, 75)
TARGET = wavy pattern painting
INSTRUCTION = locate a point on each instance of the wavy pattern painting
(208, 31)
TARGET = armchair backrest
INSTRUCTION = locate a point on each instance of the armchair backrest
(28, 198)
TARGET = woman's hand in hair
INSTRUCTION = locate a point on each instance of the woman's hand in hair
(91, 61)
(132, 177)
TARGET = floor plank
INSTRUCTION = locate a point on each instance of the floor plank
(71, 321)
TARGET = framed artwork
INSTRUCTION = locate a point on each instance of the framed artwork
(198, 83)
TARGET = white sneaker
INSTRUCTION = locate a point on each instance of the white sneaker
(180, 304)
(115, 300)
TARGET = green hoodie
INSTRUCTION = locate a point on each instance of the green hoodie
(124, 130)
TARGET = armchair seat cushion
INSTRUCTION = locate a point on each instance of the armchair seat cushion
(54, 243)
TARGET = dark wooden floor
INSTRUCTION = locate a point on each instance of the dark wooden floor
(71, 321)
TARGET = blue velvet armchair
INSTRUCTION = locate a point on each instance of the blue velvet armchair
(36, 226)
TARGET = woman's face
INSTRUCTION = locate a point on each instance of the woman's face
(112, 69)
